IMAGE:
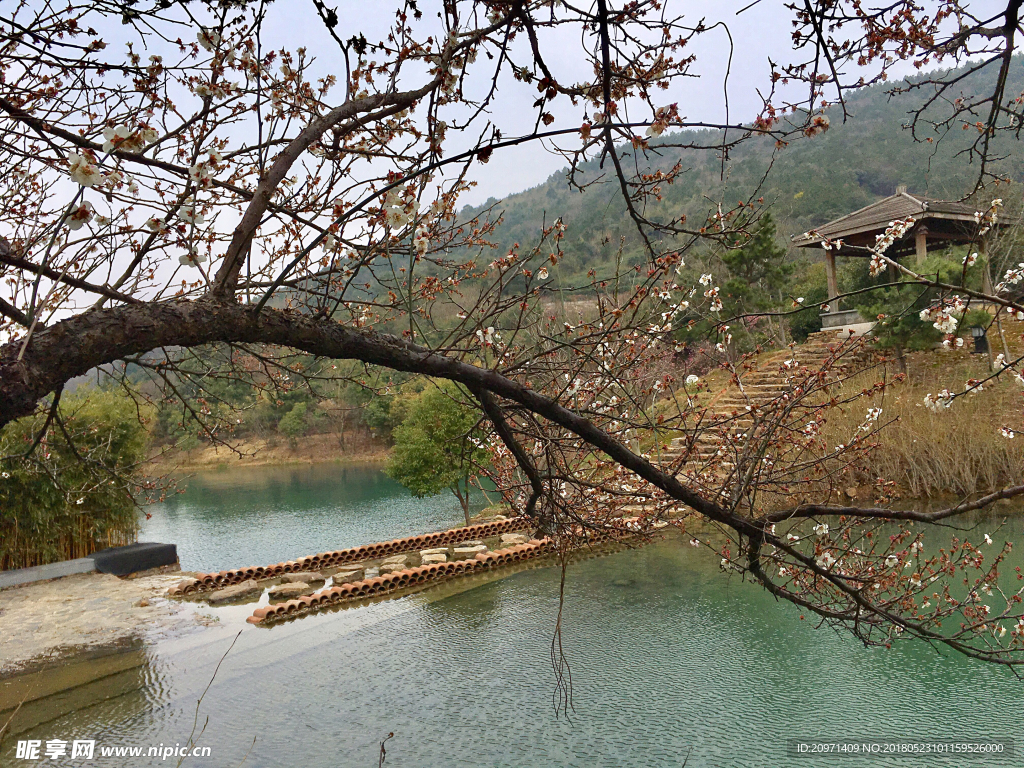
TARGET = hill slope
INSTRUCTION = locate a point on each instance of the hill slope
(812, 181)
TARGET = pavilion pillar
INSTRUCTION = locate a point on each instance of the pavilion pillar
(986, 285)
(833, 280)
(921, 243)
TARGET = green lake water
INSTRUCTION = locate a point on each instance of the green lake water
(236, 517)
(671, 660)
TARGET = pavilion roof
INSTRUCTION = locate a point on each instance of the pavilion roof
(875, 218)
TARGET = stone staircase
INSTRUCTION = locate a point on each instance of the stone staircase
(707, 452)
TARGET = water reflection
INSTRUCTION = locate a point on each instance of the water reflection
(667, 655)
(63, 690)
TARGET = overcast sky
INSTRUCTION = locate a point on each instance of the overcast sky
(758, 32)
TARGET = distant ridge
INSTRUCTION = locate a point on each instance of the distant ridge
(813, 180)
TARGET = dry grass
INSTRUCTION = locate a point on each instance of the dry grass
(959, 450)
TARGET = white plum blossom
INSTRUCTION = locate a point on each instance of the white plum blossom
(821, 529)
(1013, 276)
(942, 315)
(189, 215)
(398, 218)
(82, 170)
(694, 543)
(208, 39)
(939, 401)
(115, 136)
(706, 279)
(1007, 433)
(894, 232)
(825, 560)
(80, 216)
(970, 260)
(191, 259)
(542, 273)
(891, 561)
(988, 540)
(421, 242)
(220, 91)
(692, 380)
(873, 414)
(488, 337)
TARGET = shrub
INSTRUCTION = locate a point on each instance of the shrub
(74, 497)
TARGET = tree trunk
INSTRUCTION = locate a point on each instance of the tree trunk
(73, 347)
(463, 500)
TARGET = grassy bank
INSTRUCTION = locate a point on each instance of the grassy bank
(959, 449)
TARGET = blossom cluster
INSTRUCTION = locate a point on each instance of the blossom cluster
(943, 314)
(939, 401)
(884, 241)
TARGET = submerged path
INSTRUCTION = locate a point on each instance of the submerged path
(87, 612)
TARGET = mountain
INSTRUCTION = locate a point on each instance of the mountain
(812, 181)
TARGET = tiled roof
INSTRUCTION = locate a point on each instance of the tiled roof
(877, 216)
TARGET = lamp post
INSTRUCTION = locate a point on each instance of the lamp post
(980, 340)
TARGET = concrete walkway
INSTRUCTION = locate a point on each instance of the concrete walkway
(87, 611)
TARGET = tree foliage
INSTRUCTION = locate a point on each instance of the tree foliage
(74, 494)
(439, 445)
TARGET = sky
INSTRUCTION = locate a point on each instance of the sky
(758, 32)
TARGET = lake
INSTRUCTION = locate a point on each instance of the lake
(671, 660)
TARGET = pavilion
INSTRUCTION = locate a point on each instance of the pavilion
(938, 224)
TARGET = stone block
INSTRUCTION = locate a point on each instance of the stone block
(386, 568)
(248, 588)
(434, 551)
(290, 590)
(474, 543)
(304, 577)
(395, 560)
(438, 557)
(468, 553)
(348, 576)
(511, 539)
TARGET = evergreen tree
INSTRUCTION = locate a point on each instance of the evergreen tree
(438, 446)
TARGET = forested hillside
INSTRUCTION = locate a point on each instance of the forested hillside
(813, 179)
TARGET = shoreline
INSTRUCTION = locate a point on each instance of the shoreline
(314, 449)
(88, 613)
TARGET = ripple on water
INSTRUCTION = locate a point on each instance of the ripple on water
(668, 657)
